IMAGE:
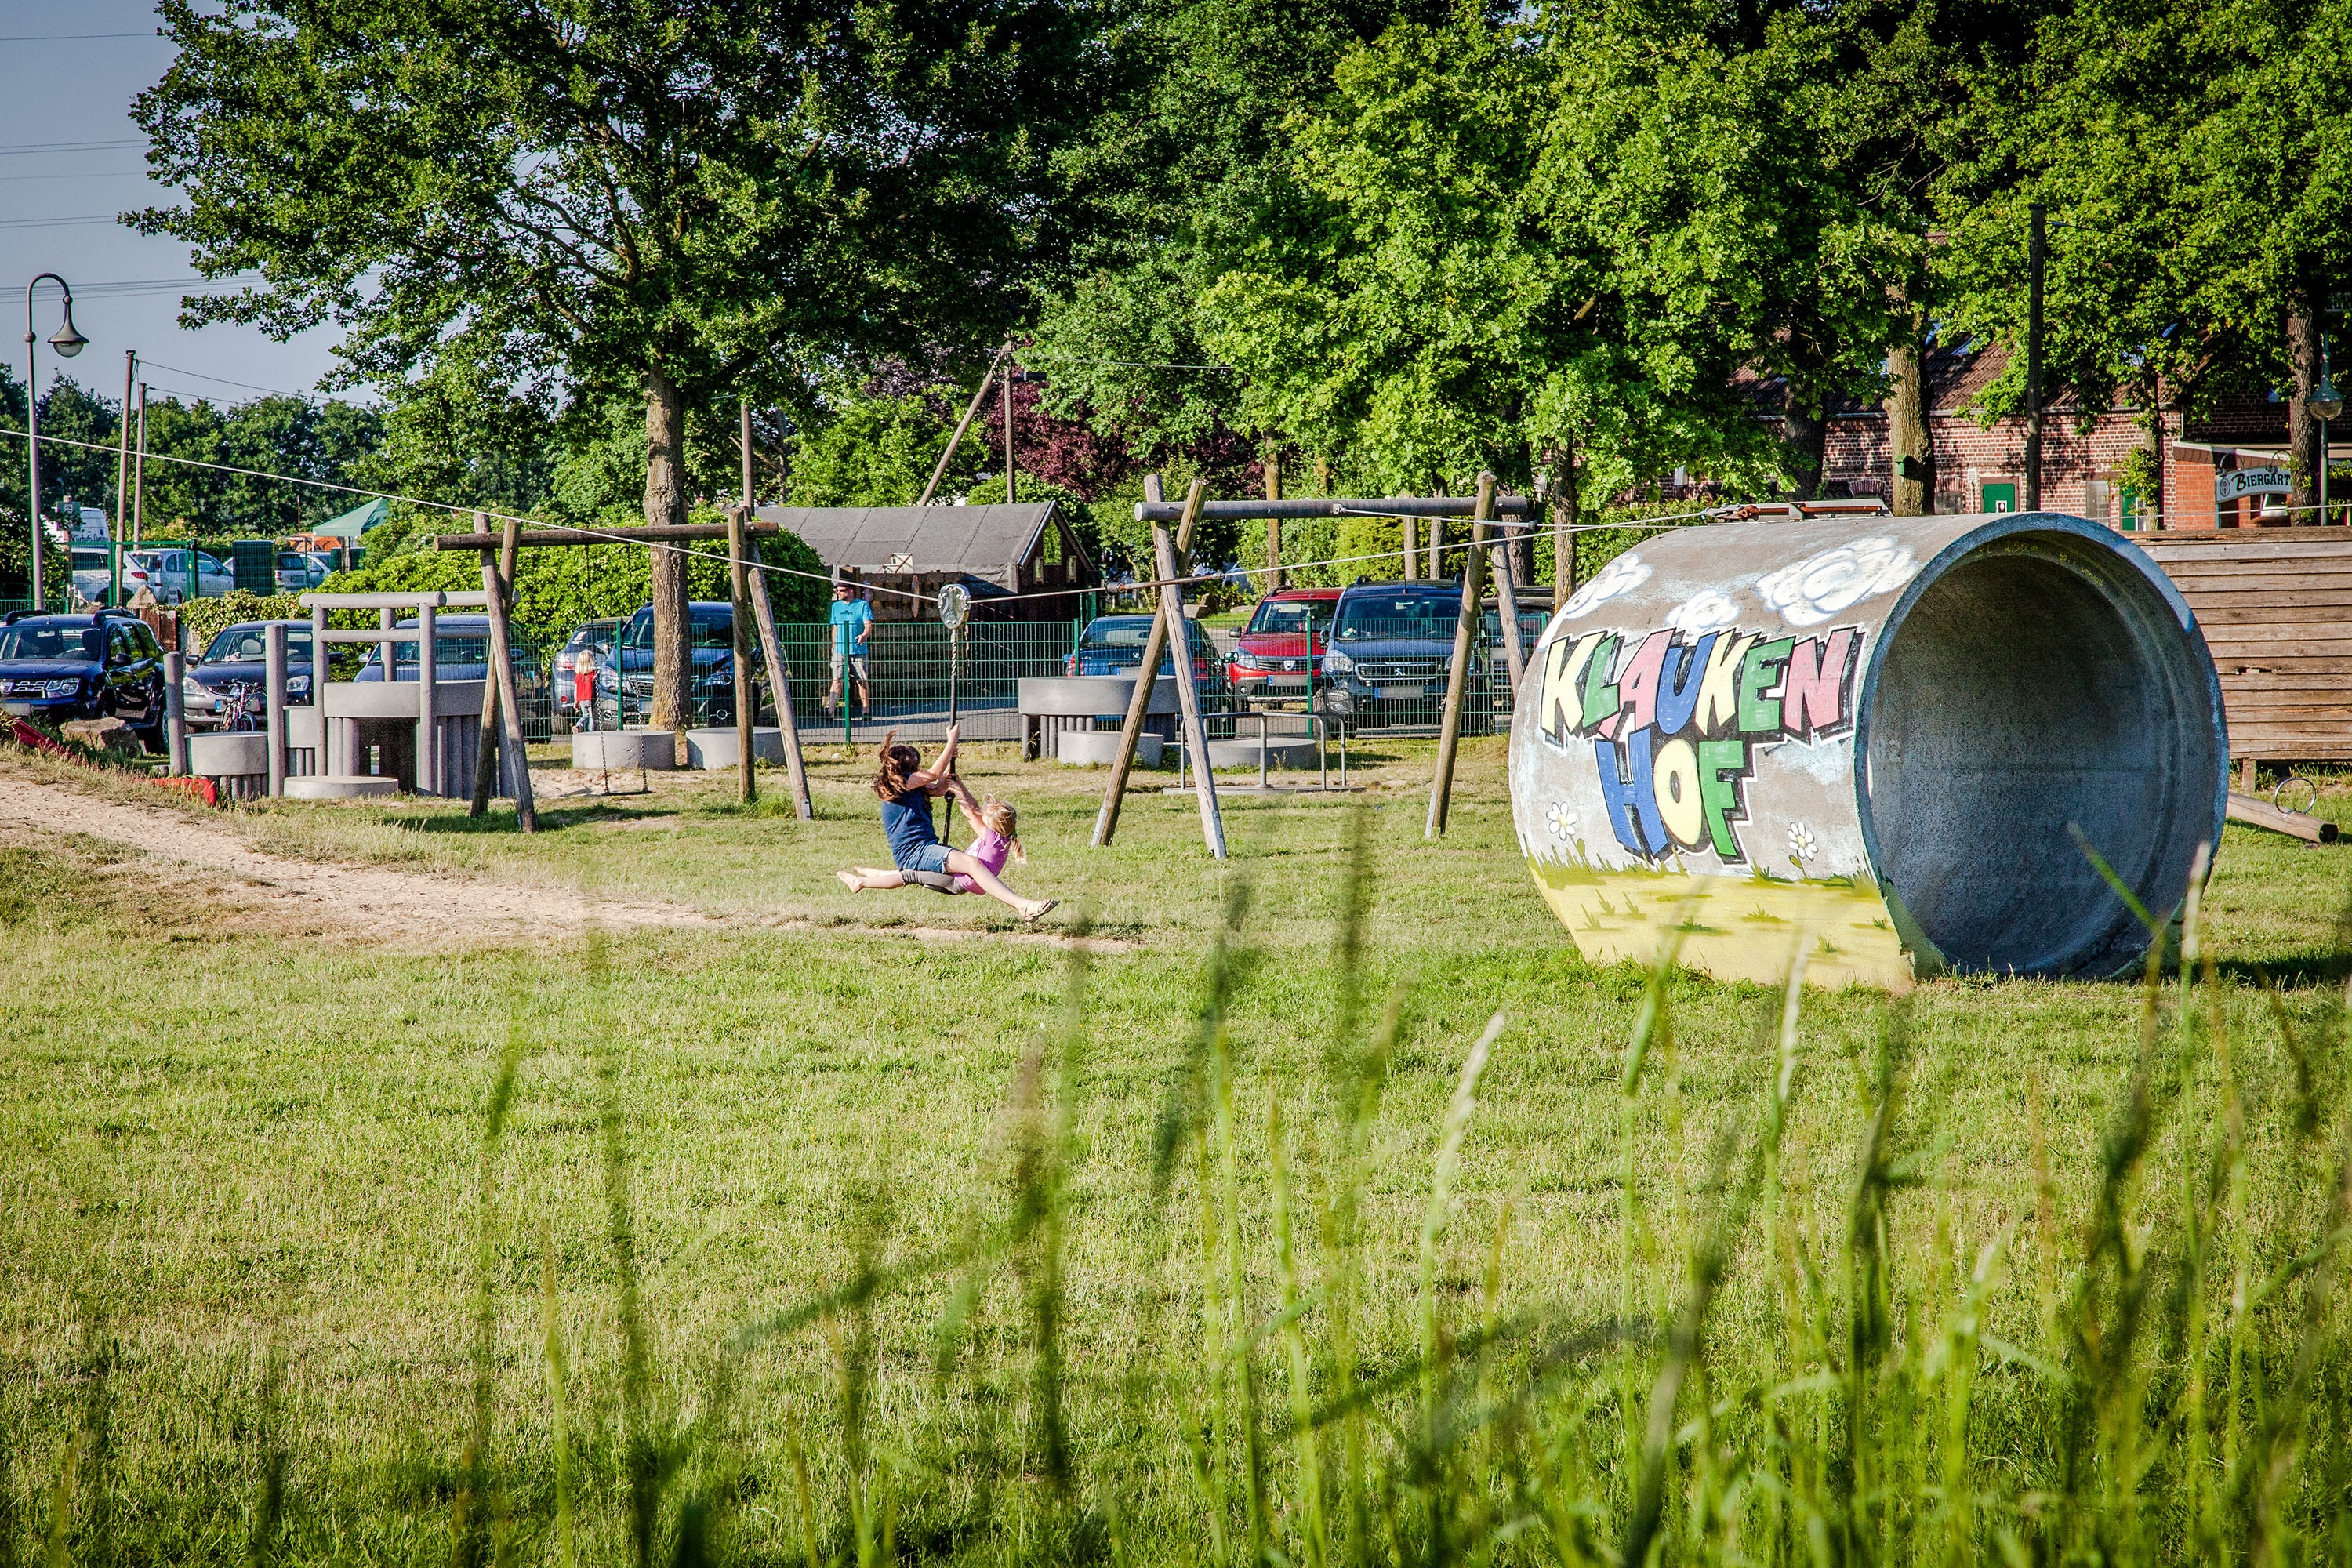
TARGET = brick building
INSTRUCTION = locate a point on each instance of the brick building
(1981, 467)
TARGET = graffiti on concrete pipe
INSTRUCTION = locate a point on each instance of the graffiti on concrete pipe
(1693, 756)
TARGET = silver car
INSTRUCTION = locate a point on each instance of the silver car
(167, 574)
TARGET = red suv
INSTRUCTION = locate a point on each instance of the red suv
(1279, 654)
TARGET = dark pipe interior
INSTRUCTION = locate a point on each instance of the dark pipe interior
(2017, 696)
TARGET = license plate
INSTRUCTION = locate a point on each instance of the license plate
(1286, 683)
(1400, 693)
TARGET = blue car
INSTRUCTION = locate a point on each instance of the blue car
(1113, 645)
(233, 670)
(625, 695)
(92, 666)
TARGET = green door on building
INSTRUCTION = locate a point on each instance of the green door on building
(2000, 498)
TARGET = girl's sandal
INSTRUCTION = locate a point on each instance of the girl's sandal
(1042, 910)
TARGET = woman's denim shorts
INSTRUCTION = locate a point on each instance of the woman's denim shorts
(931, 856)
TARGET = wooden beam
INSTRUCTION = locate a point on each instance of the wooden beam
(509, 697)
(2255, 812)
(1146, 673)
(1507, 602)
(486, 736)
(542, 538)
(779, 683)
(1457, 674)
(747, 699)
(1188, 694)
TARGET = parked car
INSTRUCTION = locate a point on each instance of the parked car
(599, 636)
(233, 670)
(1392, 645)
(625, 683)
(1280, 652)
(299, 570)
(93, 575)
(1113, 645)
(461, 651)
(100, 664)
(167, 574)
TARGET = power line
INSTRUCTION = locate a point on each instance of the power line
(58, 222)
(38, 149)
(72, 37)
(200, 375)
(85, 174)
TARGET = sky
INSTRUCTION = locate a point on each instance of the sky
(71, 158)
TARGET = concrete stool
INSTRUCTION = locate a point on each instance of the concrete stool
(1099, 748)
(654, 748)
(713, 749)
(340, 786)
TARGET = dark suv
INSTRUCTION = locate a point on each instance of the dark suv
(91, 666)
(1392, 645)
(624, 696)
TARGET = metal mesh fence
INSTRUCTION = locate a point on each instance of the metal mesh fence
(918, 680)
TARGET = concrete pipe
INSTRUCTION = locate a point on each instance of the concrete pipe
(1868, 739)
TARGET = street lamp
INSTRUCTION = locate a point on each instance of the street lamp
(68, 342)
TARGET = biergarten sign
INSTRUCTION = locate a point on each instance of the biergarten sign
(2240, 482)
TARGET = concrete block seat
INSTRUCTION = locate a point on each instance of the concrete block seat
(716, 748)
(654, 748)
(1099, 749)
(341, 786)
(1281, 751)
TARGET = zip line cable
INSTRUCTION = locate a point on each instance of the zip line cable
(591, 532)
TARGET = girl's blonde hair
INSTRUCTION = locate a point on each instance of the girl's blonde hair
(1005, 822)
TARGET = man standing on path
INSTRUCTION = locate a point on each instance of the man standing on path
(852, 619)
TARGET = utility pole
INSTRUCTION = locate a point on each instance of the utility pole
(122, 480)
(138, 480)
(1010, 498)
(2035, 251)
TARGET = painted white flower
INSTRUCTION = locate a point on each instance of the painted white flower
(1704, 612)
(1811, 591)
(1561, 819)
(1802, 847)
(1622, 575)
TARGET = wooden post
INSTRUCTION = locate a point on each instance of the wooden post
(486, 744)
(1436, 549)
(510, 700)
(1506, 596)
(1457, 676)
(1563, 525)
(1411, 564)
(747, 788)
(1146, 673)
(428, 682)
(1010, 498)
(175, 712)
(122, 480)
(318, 691)
(1188, 695)
(938, 470)
(1272, 524)
(779, 683)
(273, 688)
(139, 473)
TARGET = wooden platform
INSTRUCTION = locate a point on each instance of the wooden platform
(2276, 607)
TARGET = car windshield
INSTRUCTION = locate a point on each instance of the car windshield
(90, 560)
(446, 651)
(1365, 618)
(1125, 631)
(708, 632)
(51, 642)
(1288, 617)
(249, 644)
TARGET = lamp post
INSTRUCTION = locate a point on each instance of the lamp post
(2324, 404)
(68, 342)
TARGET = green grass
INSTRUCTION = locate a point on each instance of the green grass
(277, 1285)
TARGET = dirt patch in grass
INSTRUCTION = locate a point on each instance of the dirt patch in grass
(388, 902)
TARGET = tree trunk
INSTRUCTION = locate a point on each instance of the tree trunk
(1910, 444)
(666, 508)
(1804, 439)
(2303, 323)
(1274, 524)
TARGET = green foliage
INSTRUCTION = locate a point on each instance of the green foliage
(2187, 156)
(880, 451)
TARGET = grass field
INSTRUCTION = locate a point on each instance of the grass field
(301, 1220)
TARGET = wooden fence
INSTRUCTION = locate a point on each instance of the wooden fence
(2276, 607)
